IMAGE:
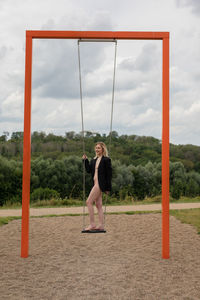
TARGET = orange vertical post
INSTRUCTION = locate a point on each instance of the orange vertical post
(165, 150)
(26, 150)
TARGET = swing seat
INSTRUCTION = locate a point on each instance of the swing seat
(94, 231)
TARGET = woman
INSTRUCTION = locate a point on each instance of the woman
(101, 171)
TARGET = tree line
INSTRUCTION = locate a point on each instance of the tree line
(128, 149)
(136, 169)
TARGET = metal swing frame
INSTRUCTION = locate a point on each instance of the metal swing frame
(89, 35)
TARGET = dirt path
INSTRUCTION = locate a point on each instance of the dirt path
(79, 210)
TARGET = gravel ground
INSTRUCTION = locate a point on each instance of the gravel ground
(124, 263)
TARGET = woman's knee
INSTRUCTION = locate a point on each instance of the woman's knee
(88, 202)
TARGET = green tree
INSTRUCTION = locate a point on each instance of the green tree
(122, 176)
(17, 136)
(177, 189)
(193, 184)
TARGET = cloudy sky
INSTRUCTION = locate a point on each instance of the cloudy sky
(138, 90)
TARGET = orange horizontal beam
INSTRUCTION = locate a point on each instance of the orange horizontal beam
(123, 35)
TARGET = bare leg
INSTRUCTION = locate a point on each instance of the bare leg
(100, 211)
(94, 194)
(91, 213)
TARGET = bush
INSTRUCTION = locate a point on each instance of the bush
(157, 198)
(57, 202)
(15, 199)
(44, 194)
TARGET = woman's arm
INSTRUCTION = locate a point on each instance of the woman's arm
(86, 164)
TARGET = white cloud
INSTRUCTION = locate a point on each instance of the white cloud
(138, 95)
(3, 51)
(13, 104)
(194, 4)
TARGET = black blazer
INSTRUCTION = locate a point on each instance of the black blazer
(104, 172)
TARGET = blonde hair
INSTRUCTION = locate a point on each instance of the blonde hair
(104, 148)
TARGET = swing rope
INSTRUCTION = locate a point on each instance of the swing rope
(82, 132)
(82, 122)
(111, 117)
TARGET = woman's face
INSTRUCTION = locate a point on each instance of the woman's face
(98, 150)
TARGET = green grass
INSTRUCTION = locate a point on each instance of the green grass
(113, 202)
(158, 199)
(188, 216)
(6, 220)
(11, 206)
(46, 204)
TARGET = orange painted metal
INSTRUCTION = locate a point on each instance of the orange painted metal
(165, 151)
(26, 150)
(124, 35)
